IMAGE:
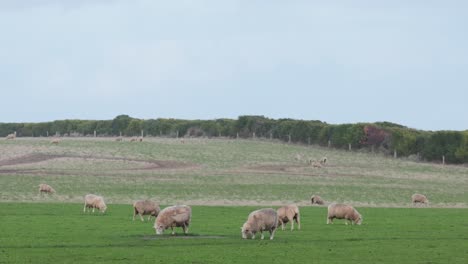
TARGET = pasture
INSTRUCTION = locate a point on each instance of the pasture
(223, 180)
(61, 233)
(219, 172)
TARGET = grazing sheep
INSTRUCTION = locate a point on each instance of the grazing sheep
(11, 136)
(289, 213)
(55, 141)
(315, 199)
(343, 211)
(173, 216)
(94, 201)
(45, 188)
(145, 207)
(259, 221)
(419, 199)
(119, 139)
(140, 139)
(323, 160)
(133, 139)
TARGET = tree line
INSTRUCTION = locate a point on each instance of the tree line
(386, 137)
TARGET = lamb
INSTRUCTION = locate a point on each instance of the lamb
(145, 207)
(173, 216)
(343, 211)
(289, 213)
(419, 199)
(259, 221)
(11, 136)
(45, 188)
(94, 201)
(315, 199)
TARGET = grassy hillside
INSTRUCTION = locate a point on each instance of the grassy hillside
(218, 172)
(61, 233)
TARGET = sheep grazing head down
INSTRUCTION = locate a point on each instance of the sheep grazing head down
(246, 231)
(358, 220)
(160, 229)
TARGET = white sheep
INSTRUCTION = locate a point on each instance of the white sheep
(94, 201)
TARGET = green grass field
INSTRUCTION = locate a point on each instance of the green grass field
(223, 180)
(61, 233)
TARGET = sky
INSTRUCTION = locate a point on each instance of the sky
(336, 61)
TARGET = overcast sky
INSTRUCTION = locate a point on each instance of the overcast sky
(335, 61)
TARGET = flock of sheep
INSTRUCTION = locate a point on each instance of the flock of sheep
(266, 219)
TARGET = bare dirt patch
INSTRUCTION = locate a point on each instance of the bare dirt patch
(47, 162)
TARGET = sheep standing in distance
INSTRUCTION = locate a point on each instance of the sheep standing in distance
(289, 213)
(259, 221)
(133, 139)
(94, 201)
(419, 199)
(173, 216)
(315, 199)
(323, 160)
(45, 188)
(343, 211)
(11, 136)
(55, 141)
(119, 139)
(145, 207)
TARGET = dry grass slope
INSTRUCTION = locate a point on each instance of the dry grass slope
(219, 172)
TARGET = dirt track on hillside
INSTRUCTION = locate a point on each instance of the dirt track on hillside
(18, 164)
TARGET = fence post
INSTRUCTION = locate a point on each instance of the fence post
(395, 154)
(94, 133)
(237, 135)
(120, 132)
(47, 133)
(349, 146)
(177, 134)
(253, 135)
(271, 136)
(329, 143)
(142, 133)
(289, 138)
(443, 159)
(308, 140)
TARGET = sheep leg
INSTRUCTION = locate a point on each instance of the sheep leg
(185, 228)
(329, 220)
(282, 225)
(262, 236)
(173, 232)
(84, 209)
(93, 209)
(272, 233)
(292, 224)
